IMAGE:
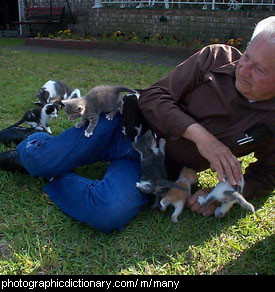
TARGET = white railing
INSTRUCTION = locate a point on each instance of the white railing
(213, 4)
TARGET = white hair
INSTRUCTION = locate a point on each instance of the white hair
(266, 27)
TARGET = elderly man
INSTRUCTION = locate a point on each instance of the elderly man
(214, 107)
(209, 104)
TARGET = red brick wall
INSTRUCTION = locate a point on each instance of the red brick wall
(185, 22)
(188, 23)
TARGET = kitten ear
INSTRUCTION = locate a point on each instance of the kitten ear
(38, 103)
(62, 103)
(40, 92)
(58, 104)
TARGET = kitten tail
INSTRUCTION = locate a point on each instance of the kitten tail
(18, 123)
(240, 200)
(124, 89)
(169, 184)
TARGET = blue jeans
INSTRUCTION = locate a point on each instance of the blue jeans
(106, 205)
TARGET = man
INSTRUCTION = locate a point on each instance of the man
(203, 108)
(209, 103)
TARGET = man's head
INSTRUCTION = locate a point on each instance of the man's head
(255, 74)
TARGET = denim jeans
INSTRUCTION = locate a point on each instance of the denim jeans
(107, 204)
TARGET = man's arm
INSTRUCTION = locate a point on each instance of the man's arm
(220, 157)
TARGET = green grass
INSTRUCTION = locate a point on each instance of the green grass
(36, 237)
(12, 42)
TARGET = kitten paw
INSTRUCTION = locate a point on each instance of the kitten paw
(202, 200)
(139, 186)
(164, 204)
(174, 219)
(144, 187)
(87, 134)
(219, 213)
(123, 131)
(109, 117)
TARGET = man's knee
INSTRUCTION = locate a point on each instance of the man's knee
(112, 216)
(28, 151)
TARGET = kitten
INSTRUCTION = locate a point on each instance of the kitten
(134, 125)
(178, 197)
(228, 195)
(101, 99)
(54, 90)
(38, 117)
(154, 176)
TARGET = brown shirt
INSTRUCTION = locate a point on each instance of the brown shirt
(202, 90)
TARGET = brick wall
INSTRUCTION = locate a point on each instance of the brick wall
(187, 23)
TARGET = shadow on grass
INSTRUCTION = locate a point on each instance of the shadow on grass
(257, 260)
(38, 238)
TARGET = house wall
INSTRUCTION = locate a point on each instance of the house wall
(186, 22)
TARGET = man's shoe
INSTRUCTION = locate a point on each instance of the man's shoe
(15, 134)
(9, 160)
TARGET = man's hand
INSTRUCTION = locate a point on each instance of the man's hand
(195, 206)
(219, 156)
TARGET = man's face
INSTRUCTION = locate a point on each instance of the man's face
(255, 74)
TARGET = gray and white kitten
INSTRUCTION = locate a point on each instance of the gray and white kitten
(54, 90)
(38, 118)
(101, 99)
(153, 172)
(227, 195)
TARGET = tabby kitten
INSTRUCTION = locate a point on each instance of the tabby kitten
(153, 172)
(101, 99)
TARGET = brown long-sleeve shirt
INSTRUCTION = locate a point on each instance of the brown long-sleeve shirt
(202, 90)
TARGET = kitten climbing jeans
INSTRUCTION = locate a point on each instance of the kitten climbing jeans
(107, 204)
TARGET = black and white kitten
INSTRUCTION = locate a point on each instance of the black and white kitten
(153, 172)
(38, 117)
(227, 195)
(54, 90)
(134, 125)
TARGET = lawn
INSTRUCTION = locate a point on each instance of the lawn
(36, 237)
